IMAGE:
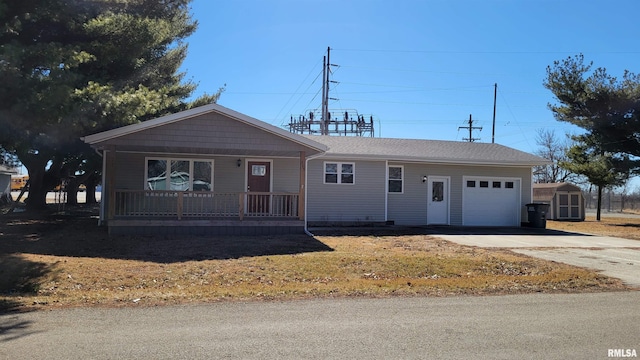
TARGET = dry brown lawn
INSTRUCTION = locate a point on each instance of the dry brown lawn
(624, 227)
(61, 261)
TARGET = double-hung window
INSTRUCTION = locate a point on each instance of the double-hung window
(339, 173)
(396, 176)
(179, 174)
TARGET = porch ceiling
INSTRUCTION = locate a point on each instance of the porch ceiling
(208, 151)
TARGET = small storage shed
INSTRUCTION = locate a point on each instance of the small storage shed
(565, 200)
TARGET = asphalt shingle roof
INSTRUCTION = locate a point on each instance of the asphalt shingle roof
(438, 151)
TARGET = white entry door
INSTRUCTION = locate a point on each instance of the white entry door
(438, 200)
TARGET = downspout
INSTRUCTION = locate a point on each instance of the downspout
(386, 191)
(306, 193)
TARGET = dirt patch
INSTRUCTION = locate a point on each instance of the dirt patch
(64, 259)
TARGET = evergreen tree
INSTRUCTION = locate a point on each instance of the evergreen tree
(609, 112)
(72, 68)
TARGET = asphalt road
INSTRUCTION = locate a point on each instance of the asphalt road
(539, 326)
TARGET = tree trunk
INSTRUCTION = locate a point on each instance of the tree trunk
(37, 199)
(72, 192)
(599, 202)
(91, 184)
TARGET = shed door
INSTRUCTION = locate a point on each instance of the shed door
(569, 206)
(490, 202)
(258, 181)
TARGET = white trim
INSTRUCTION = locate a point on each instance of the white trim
(569, 206)
(386, 191)
(434, 161)
(431, 178)
(503, 179)
(169, 160)
(339, 172)
(401, 178)
(306, 193)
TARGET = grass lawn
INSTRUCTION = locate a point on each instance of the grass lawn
(62, 261)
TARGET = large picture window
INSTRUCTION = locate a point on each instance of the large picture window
(339, 173)
(396, 174)
(179, 174)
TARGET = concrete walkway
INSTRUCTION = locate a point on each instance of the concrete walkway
(615, 257)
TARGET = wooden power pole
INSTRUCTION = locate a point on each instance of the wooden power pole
(470, 128)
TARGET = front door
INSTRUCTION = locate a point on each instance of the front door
(258, 181)
(438, 200)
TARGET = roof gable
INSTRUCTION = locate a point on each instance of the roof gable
(195, 112)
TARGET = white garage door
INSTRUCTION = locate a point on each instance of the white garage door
(490, 201)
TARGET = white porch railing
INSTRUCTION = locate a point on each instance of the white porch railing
(203, 204)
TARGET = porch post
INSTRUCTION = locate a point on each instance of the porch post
(303, 177)
(111, 182)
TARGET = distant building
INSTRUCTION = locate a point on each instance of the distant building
(5, 184)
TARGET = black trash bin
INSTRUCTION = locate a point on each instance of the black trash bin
(538, 215)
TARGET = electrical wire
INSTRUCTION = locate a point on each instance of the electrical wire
(298, 88)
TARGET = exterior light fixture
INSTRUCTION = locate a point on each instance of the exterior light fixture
(424, 178)
(239, 162)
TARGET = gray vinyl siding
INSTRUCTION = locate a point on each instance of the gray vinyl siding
(361, 202)
(207, 134)
(286, 175)
(130, 171)
(228, 177)
(410, 207)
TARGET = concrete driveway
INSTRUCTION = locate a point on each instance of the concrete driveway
(615, 257)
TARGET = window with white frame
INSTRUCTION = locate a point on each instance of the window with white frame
(179, 174)
(339, 173)
(396, 179)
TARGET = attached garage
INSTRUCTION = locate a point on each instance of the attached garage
(491, 201)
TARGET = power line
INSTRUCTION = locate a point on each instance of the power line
(298, 88)
(458, 52)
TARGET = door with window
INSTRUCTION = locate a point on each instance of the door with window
(437, 200)
(258, 181)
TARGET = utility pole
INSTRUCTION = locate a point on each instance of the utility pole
(326, 72)
(493, 131)
(321, 122)
(325, 84)
(470, 128)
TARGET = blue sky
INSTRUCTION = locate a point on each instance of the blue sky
(420, 67)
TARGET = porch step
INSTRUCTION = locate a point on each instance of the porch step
(205, 227)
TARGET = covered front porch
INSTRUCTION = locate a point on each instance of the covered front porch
(204, 171)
